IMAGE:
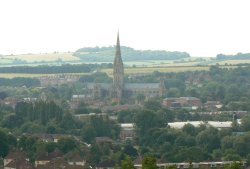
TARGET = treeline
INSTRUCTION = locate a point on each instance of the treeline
(98, 77)
(33, 146)
(39, 112)
(106, 54)
(19, 81)
(78, 68)
(49, 117)
(233, 57)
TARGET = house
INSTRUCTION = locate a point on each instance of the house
(30, 99)
(212, 105)
(48, 137)
(182, 102)
(103, 140)
(127, 131)
(47, 158)
(55, 163)
(87, 117)
(198, 165)
(16, 160)
(57, 80)
(18, 164)
(108, 164)
(75, 159)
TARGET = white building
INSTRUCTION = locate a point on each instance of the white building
(215, 124)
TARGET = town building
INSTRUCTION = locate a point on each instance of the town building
(17, 160)
(215, 124)
(127, 131)
(57, 80)
(182, 102)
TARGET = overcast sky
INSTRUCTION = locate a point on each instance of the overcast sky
(199, 27)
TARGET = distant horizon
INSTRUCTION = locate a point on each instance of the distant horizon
(69, 51)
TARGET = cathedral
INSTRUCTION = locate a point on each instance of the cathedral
(119, 90)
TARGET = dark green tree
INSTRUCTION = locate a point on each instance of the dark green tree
(149, 163)
(127, 163)
(4, 147)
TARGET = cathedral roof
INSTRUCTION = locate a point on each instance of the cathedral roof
(106, 86)
(141, 86)
(127, 86)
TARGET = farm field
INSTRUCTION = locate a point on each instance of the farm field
(146, 70)
(46, 57)
(128, 71)
(13, 75)
(233, 62)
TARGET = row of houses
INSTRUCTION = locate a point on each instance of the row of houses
(57, 80)
(216, 124)
(54, 160)
(190, 103)
(171, 103)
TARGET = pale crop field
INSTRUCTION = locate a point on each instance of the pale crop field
(47, 57)
(5, 61)
(234, 62)
(12, 75)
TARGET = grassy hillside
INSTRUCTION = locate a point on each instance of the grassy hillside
(106, 54)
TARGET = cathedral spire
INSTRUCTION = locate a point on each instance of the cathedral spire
(118, 48)
(118, 71)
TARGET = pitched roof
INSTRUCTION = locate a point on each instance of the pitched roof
(73, 156)
(15, 154)
(141, 86)
(106, 164)
(106, 86)
(56, 163)
(128, 86)
(103, 139)
(19, 164)
(50, 156)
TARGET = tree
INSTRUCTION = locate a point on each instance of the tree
(82, 109)
(4, 147)
(3, 95)
(67, 144)
(130, 151)
(189, 129)
(152, 105)
(149, 163)
(235, 165)
(245, 123)
(146, 120)
(173, 92)
(127, 163)
(209, 139)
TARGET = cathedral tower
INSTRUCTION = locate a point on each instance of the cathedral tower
(118, 72)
